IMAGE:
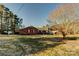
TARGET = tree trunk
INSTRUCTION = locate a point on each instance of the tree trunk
(64, 34)
(1, 25)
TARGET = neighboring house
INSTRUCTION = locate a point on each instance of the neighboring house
(54, 30)
(43, 30)
(31, 31)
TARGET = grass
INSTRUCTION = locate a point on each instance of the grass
(29, 36)
(37, 36)
(38, 45)
(25, 46)
(70, 48)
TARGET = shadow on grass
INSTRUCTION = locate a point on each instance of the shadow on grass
(71, 38)
(66, 38)
(32, 45)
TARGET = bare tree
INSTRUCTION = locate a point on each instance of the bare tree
(64, 18)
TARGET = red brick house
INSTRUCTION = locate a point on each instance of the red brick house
(31, 31)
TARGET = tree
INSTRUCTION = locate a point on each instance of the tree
(17, 23)
(8, 20)
(1, 16)
(64, 18)
(12, 27)
(7, 16)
